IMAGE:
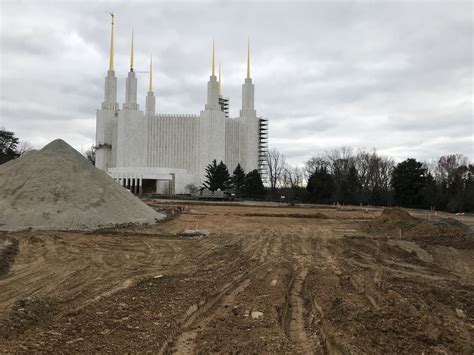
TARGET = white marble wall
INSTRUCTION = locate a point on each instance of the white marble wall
(232, 148)
(132, 139)
(211, 138)
(173, 141)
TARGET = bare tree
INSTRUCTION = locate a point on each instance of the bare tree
(292, 177)
(24, 147)
(313, 164)
(340, 159)
(193, 189)
(374, 170)
(448, 166)
(90, 155)
(275, 164)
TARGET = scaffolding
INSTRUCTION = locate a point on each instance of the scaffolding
(224, 102)
(262, 147)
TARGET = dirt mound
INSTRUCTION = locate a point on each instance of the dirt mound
(396, 213)
(58, 188)
(8, 251)
(446, 232)
(393, 219)
(452, 224)
(441, 236)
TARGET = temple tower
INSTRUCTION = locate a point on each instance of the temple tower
(132, 132)
(249, 128)
(106, 114)
(211, 124)
(150, 97)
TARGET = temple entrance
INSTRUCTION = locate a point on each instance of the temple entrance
(149, 186)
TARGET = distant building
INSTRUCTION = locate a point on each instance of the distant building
(162, 153)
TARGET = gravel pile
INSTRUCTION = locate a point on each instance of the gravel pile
(57, 188)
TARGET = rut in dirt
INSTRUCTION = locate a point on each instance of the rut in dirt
(185, 343)
(293, 320)
(181, 341)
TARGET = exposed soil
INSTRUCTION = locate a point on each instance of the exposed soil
(266, 280)
(8, 251)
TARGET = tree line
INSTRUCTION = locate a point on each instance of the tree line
(366, 177)
(243, 185)
(338, 176)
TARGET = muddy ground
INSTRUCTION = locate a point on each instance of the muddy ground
(266, 280)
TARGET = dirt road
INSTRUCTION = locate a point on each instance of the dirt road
(266, 280)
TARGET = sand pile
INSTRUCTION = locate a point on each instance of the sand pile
(58, 188)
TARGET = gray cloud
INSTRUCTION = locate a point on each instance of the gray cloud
(394, 76)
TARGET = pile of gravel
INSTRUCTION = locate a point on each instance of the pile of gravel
(57, 188)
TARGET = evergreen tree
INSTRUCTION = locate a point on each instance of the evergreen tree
(321, 185)
(408, 180)
(238, 180)
(254, 185)
(353, 186)
(469, 190)
(217, 176)
(457, 189)
(431, 193)
(8, 146)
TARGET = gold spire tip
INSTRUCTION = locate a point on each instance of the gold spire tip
(213, 69)
(131, 54)
(219, 81)
(151, 73)
(248, 59)
(111, 56)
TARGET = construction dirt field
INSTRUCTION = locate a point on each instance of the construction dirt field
(266, 279)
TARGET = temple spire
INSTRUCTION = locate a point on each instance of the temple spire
(150, 98)
(213, 69)
(111, 63)
(248, 59)
(219, 81)
(151, 74)
(131, 54)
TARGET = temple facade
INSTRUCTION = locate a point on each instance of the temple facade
(148, 152)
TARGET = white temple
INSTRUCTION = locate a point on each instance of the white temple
(162, 153)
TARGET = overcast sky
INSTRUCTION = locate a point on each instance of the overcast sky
(395, 76)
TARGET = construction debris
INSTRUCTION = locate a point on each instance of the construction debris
(195, 233)
(256, 314)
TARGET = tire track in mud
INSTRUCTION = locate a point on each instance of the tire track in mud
(293, 319)
(325, 343)
(185, 342)
(181, 339)
(310, 257)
